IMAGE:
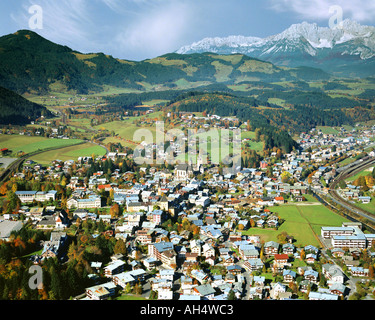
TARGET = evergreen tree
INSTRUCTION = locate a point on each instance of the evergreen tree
(56, 284)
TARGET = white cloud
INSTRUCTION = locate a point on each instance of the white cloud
(64, 21)
(317, 10)
(156, 30)
(129, 29)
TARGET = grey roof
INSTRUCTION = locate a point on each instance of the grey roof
(7, 227)
(205, 290)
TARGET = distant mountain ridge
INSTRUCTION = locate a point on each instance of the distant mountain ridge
(348, 50)
(30, 63)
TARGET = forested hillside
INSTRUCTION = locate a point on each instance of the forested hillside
(30, 63)
(15, 109)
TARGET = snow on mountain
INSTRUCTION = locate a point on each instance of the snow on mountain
(215, 44)
(304, 38)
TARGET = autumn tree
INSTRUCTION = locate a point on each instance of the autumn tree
(371, 271)
(120, 247)
(115, 211)
(282, 237)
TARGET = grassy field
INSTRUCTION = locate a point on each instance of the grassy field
(346, 162)
(69, 153)
(304, 222)
(365, 172)
(370, 207)
(125, 129)
(28, 144)
(328, 130)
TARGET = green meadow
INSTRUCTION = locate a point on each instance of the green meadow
(28, 144)
(69, 153)
(304, 222)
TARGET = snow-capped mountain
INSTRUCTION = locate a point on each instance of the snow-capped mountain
(346, 46)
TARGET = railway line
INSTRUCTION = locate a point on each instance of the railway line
(16, 164)
(348, 172)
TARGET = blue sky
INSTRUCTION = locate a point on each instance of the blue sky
(141, 29)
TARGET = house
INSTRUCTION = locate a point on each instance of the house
(253, 265)
(277, 289)
(364, 200)
(150, 263)
(311, 249)
(333, 273)
(208, 251)
(279, 200)
(205, 291)
(311, 258)
(202, 201)
(359, 272)
(248, 251)
(289, 275)
(101, 292)
(227, 260)
(256, 293)
(260, 223)
(137, 206)
(271, 248)
(187, 285)
(311, 275)
(211, 260)
(272, 222)
(288, 248)
(167, 274)
(165, 291)
(143, 236)
(337, 252)
(114, 268)
(123, 279)
(338, 289)
(199, 275)
(234, 269)
(281, 259)
(244, 224)
(258, 281)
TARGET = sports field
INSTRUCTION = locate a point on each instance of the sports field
(304, 222)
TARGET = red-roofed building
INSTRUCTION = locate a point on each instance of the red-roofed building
(280, 261)
(106, 187)
(279, 200)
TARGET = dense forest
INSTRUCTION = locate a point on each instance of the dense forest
(313, 99)
(245, 109)
(14, 109)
